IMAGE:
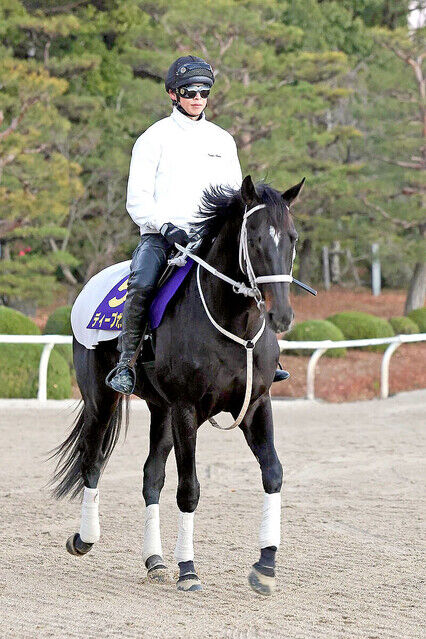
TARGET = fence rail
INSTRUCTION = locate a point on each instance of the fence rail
(49, 341)
(322, 347)
(319, 349)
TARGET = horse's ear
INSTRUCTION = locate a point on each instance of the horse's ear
(291, 194)
(248, 191)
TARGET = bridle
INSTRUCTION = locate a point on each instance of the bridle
(245, 265)
(240, 288)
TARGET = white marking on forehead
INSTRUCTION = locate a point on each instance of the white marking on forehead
(276, 235)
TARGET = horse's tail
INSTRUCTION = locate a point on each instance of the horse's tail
(67, 477)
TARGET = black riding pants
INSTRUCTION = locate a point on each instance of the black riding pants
(148, 262)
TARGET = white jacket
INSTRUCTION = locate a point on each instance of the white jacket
(172, 163)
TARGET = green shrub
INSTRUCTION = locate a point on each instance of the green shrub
(358, 325)
(16, 323)
(313, 331)
(403, 326)
(19, 364)
(59, 322)
(419, 317)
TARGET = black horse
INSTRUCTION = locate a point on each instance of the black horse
(198, 373)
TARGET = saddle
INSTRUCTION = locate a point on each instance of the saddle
(97, 312)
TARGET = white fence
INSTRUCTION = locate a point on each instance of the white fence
(49, 341)
(319, 349)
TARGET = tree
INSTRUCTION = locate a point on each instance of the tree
(36, 181)
(400, 151)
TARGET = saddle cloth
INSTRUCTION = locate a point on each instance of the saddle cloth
(98, 310)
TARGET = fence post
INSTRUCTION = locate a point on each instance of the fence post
(375, 270)
(42, 372)
(384, 374)
(326, 267)
(310, 373)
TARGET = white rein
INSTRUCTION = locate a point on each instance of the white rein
(238, 287)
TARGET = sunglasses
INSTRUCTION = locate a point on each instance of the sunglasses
(191, 92)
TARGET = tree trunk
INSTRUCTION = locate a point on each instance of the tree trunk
(304, 264)
(416, 290)
(335, 262)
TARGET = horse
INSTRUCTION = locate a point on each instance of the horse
(215, 351)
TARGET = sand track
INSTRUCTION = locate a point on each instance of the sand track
(353, 542)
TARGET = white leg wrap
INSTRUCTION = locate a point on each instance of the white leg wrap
(184, 550)
(89, 528)
(271, 521)
(151, 537)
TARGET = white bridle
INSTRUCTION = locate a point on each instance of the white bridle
(245, 262)
(238, 287)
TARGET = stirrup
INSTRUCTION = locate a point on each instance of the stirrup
(115, 371)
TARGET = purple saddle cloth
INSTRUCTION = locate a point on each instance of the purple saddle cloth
(166, 292)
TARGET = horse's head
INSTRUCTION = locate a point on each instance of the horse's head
(271, 242)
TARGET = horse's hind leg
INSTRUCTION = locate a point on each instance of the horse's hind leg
(259, 432)
(160, 445)
(98, 429)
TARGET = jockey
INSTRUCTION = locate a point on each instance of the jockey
(172, 163)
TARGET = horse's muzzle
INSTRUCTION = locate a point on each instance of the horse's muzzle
(280, 322)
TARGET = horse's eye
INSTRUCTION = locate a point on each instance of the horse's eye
(251, 243)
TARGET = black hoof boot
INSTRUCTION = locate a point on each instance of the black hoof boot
(262, 580)
(188, 579)
(76, 546)
(156, 569)
(281, 375)
(124, 379)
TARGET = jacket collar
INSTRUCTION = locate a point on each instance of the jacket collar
(185, 122)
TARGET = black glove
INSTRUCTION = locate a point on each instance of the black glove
(173, 234)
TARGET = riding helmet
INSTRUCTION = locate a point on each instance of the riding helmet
(188, 69)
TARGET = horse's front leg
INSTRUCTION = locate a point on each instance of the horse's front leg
(161, 443)
(184, 427)
(259, 432)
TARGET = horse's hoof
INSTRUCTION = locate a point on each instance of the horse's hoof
(262, 584)
(189, 583)
(158, 574)
(76, 546)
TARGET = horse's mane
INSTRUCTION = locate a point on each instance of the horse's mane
(219, 203)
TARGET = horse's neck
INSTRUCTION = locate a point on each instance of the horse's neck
(234, 312)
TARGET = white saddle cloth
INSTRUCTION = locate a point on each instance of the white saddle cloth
(88, 301)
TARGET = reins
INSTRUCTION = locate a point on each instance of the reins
(240, 288)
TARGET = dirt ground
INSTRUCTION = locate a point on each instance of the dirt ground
(351, 559)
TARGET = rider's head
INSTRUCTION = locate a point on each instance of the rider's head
(188, 81)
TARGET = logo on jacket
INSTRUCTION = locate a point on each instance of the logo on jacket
(215, 155)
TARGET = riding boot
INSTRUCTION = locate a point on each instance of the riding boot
(148, 262)
(280, 374)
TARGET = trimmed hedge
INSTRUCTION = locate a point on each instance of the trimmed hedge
(359, 325)
(316, 330)
(59, 322)
(403, 326)
(419, 317)
(19, 364)
(14, 322)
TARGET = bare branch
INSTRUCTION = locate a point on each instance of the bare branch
(398, 222)
(16, 121)
(65, 268)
